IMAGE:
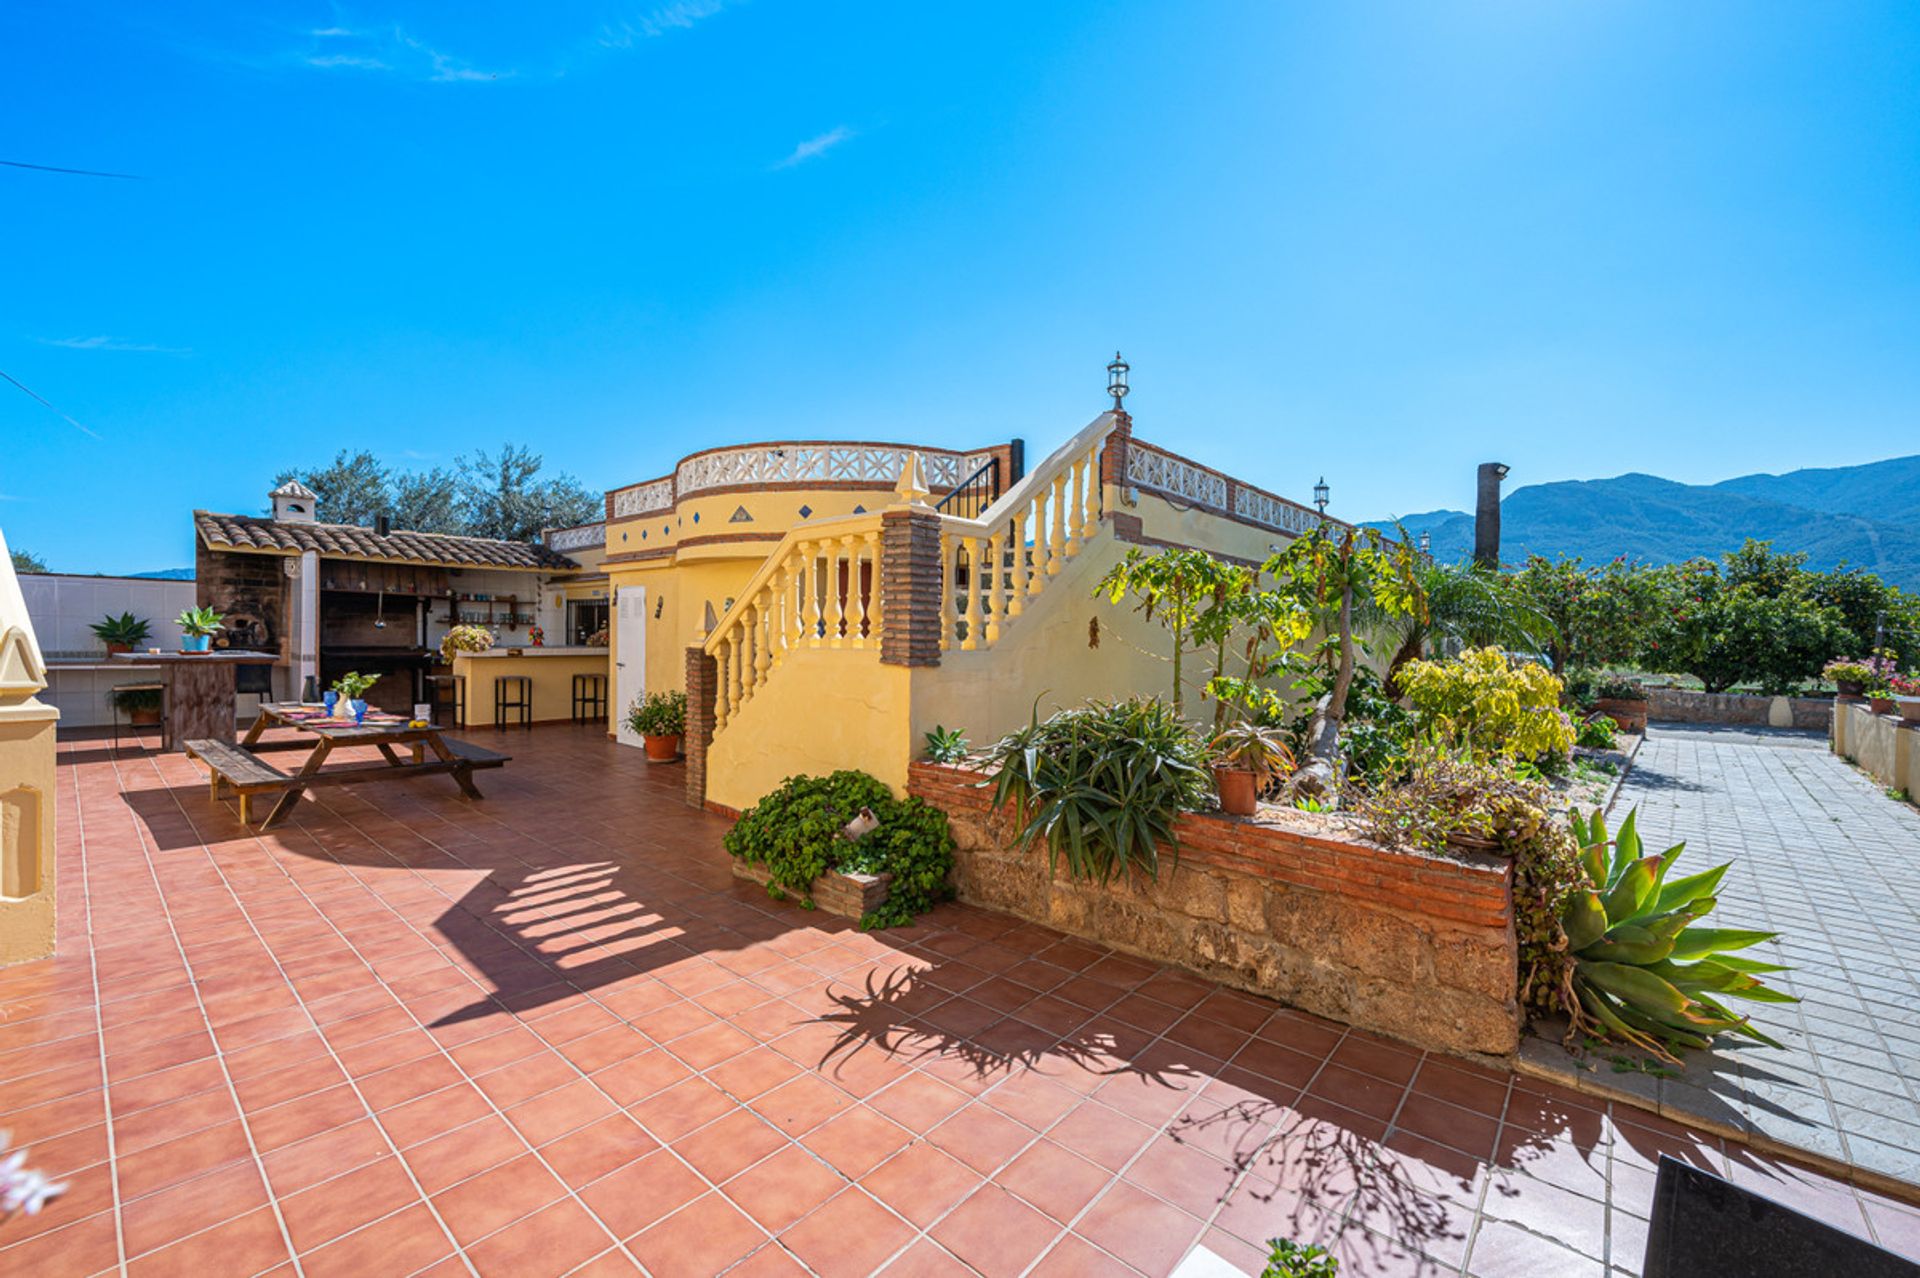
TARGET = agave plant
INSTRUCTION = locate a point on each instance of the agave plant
(1640, 967)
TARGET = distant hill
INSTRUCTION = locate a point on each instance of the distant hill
(1862, 516)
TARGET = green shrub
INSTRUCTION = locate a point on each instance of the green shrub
(795, 833)
(1102, 784)
(659, 714)
(1289, 1259)
(1482, 699)
(946, 745)
(1597, 733)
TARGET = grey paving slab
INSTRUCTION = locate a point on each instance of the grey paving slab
(1822, 856)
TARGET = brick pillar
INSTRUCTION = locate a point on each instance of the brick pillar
(911, 591)
(703, 684)
(1113, 458)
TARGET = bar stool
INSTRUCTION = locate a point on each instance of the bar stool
(515, 693)
(589, 698)
(449, 690)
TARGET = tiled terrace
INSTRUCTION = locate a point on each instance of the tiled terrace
(547, 1034)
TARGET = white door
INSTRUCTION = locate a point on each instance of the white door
(629, 658)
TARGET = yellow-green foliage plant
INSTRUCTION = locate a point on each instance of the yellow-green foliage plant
(1637, 968)
(1495, 705)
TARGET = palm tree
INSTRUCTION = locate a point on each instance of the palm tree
(1470, 605)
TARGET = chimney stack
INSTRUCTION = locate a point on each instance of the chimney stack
(293, 503)
(1486, 516)
(382, 524)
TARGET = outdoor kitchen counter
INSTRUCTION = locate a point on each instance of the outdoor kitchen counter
(199, 693)
(551, 671)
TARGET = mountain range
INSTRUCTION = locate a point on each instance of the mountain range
(1858, 516)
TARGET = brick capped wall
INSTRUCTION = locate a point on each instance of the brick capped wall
(910, 587)
(703, 684)
(1420, 947)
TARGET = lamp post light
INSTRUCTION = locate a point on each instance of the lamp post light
(1117, 380)
(1320, 492)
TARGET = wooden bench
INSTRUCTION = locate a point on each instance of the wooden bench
(477, 756)
(238, 768)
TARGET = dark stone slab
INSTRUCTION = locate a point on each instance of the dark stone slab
(1707, 1227)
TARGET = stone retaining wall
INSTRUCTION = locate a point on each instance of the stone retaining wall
(1419, 947)
(1682, 705)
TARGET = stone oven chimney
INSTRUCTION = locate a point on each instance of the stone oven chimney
(293, 503)
(1486, 516)
(382, 523)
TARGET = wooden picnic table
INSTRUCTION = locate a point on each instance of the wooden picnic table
(242, 769)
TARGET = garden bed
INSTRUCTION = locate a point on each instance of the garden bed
(851, 896)
(1416, 945)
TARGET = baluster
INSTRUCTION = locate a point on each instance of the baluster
(974, 574)
(871, 599)
(836, 629)
(1017, 604)
(996, 595)
(721, 710)
(1076, 511)
(856, 604)
(777, 616)
(731, 675)
(1057, 545)
(762, 641)
(797, 601)
(816, 597)
(746, 655)
(946, 590)
(1096, 491)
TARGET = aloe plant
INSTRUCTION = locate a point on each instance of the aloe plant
(1641, 969)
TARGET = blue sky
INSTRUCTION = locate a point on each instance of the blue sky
(1383, 242)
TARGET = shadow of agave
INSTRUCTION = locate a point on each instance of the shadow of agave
(907, 1014)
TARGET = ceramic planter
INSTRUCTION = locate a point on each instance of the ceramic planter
(146, 717)
(1848, 690)
(114, 648)
(1239, 790)
(662, 749)
(196, 643)
(1909, 708)
(1879, 704)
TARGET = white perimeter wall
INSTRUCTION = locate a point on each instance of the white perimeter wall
(63, 610)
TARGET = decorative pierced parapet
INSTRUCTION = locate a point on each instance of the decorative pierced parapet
(1148, 467)
(1174, 476)
(643, 499)
(584, 537)
(818, 463)
(997, 563)
(818, 589)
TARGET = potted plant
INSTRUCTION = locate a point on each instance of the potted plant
(661, 720)
(123, 633)
(1849, 677)
(465, 639)
(140, 705)
(198, 626)
(351, 688)
(1246, 756)
(1624, 702)
(946, 745)
(1906, 695)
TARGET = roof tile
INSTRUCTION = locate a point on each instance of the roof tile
(250, 532)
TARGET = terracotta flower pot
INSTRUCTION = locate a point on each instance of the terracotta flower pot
(1880, 705)
(1239, 790)
(114, 648)
(1849, 690)
(661, 749)
(1628, 716)
(146, 717)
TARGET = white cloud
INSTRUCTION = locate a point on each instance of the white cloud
(111, 344)
(678, 16)
(391, 51)
(815, 147)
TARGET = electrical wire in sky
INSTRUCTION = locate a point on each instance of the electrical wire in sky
(48, 168)
(28, 391)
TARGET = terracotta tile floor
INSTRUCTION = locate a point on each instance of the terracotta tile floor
(546, 1034)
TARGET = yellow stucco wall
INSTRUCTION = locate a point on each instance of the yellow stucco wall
(769, 511)
(823, 710)
(26, 782)
(552, 677)
(1887, 751)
